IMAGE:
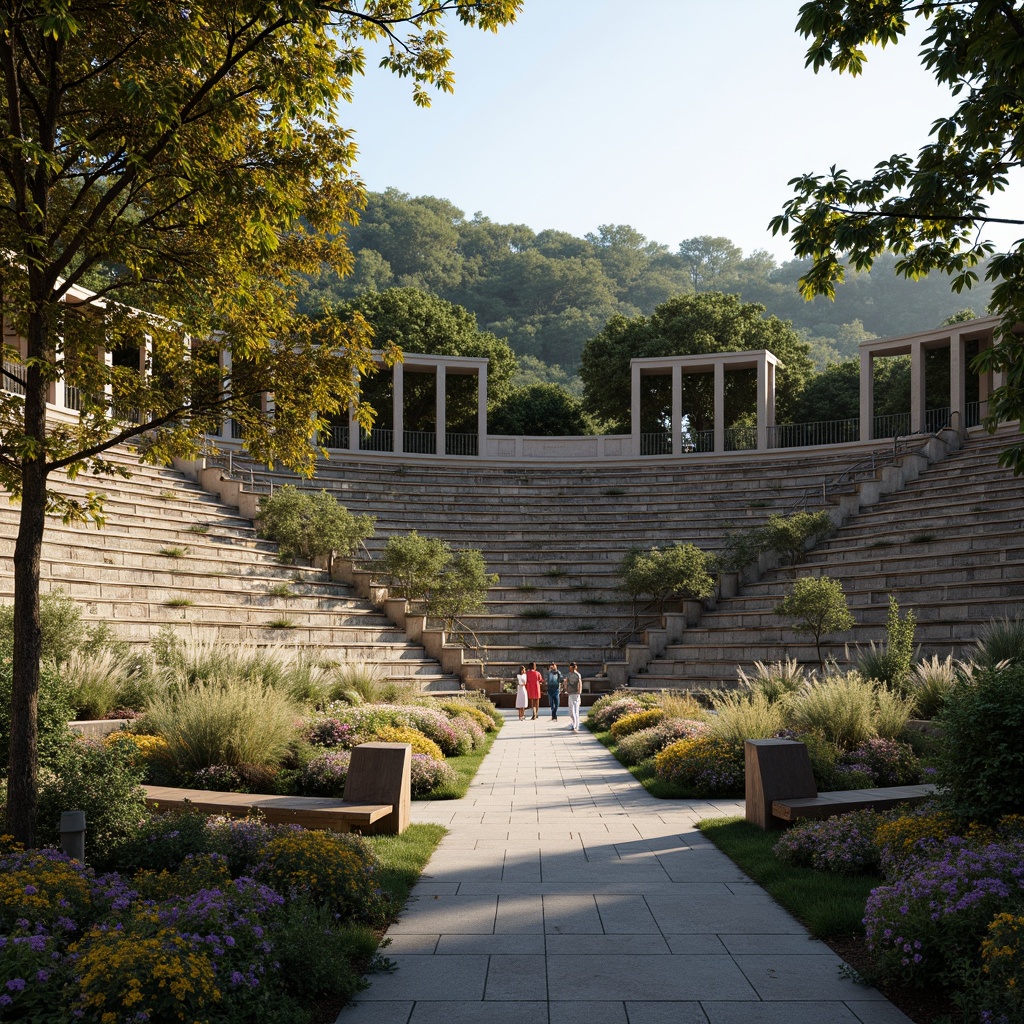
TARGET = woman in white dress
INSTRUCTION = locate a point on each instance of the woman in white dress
(521, 699)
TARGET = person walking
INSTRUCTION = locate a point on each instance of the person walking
(521, 698)
(574, 688)
(554, 689)
(533, 678)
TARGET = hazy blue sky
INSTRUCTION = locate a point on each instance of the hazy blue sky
(679, 117)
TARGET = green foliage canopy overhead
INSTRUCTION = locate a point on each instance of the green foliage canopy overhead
(540, 410)
(930, 209)
(692, 325)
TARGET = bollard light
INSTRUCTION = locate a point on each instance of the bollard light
(72, 834)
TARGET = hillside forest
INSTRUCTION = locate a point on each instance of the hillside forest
(558, 314)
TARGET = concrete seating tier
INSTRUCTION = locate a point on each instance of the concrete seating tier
(556, 538)
(221, 587)
(949, 547)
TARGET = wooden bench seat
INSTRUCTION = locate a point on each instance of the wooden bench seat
(376, 799)
(780, 787)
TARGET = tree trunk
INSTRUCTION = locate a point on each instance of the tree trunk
(23, 769)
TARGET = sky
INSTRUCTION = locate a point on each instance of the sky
(678, 117)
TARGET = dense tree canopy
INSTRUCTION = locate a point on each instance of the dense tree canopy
(416, 321)
(185, 159)
(540, 410)
(931, 209)
(691, 325)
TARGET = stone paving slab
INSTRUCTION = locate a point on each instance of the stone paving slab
(566, 894)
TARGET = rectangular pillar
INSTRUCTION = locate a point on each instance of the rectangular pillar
(481, 408)
(634, 407)
(867, 396)
(957, 382)
(917, 389)
(763, 400)
(677, 410)
(720, 406)
(398, 408)
(441, 408)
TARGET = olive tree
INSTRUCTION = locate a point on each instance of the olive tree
(817, 605)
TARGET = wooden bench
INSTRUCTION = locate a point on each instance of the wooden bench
(780, 787)
(375, 802)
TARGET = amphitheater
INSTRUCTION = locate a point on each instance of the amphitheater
(928, 517)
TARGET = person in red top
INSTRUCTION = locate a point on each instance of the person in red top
(533, 680)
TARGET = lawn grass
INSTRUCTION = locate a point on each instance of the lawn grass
(831, 905)
(465, 767)
(403, 857)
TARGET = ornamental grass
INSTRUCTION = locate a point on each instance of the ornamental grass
(742, 716)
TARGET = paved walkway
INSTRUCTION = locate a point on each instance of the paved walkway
(565, 894)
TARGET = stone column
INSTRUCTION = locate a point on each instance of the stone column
(763, 401)
(957, 382)
(481, 408)
(634, 407)
(677, 410)
(720, 406)
(398, 408)
(225, 365)
(441, 411)
(917, 388)
(867, 396)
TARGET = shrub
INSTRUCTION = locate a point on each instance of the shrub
(104, 782)
(42, 891)
(332, 870)
(745, 716)
(706, 766)
(151, 754)
(309, 524)
(1002, 967)
(628, 724)
(679, 571)
(326, 773)
(937, 914)
(403, 734)
(639, 746)
(162, 841)
(55, 710)
(428, 775)
(233, 721)
(912, 834)
(413, 564)
(885, 762)
(60, 622)
(839, 709)
(607, 710)
(890, 664)
(789, 535)
(457, 708)
(331, 732)
(981, 766)
(844, 844)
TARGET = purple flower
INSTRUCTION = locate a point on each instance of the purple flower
(16, 984)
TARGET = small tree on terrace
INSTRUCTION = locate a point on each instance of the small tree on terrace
(310, 524)
(680, 571)
(413, 564)
(461, 588)
(817, 605)
(789, 535)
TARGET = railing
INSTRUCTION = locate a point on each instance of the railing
(974, 413)
(803, 435)
(462, 444)
(13, 381)
(236, 430)
(377, 440)
(698, 441)
(656, 444)
(893, 425)
(740, 439)
(936, 419)
(333, 435)
(420, 442)
(72, 398)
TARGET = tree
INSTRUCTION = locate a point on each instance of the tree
(415, 321)
(413, 564)
(710, 262)
(691, 325)
(930, 210)
(817, 605)
(186, 160)
(540, 410)
(461, 588)
(311, 524)
(680, 571)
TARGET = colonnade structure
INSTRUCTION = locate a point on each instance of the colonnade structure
(945, 349)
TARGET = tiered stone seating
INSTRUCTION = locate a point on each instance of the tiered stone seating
(949, 547)
(556, 536)
(170, 554)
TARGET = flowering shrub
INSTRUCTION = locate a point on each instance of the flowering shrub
(326, 773)
(223, 778)
(196, 872)
(912, 834)
(470, 735)
(403, 734)
(937, 913)
(706, 766)
(330, 732)
(328, 869)
(884, 762)
(457, 708)
(646, 743)
(44, 888)
(844, 843)
(127, 976)
(429, 774)
(629, 724)
(1002, 965)
(141, 747)
(242, 840)
(367, 719)
(437, 726)
(603, 716)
